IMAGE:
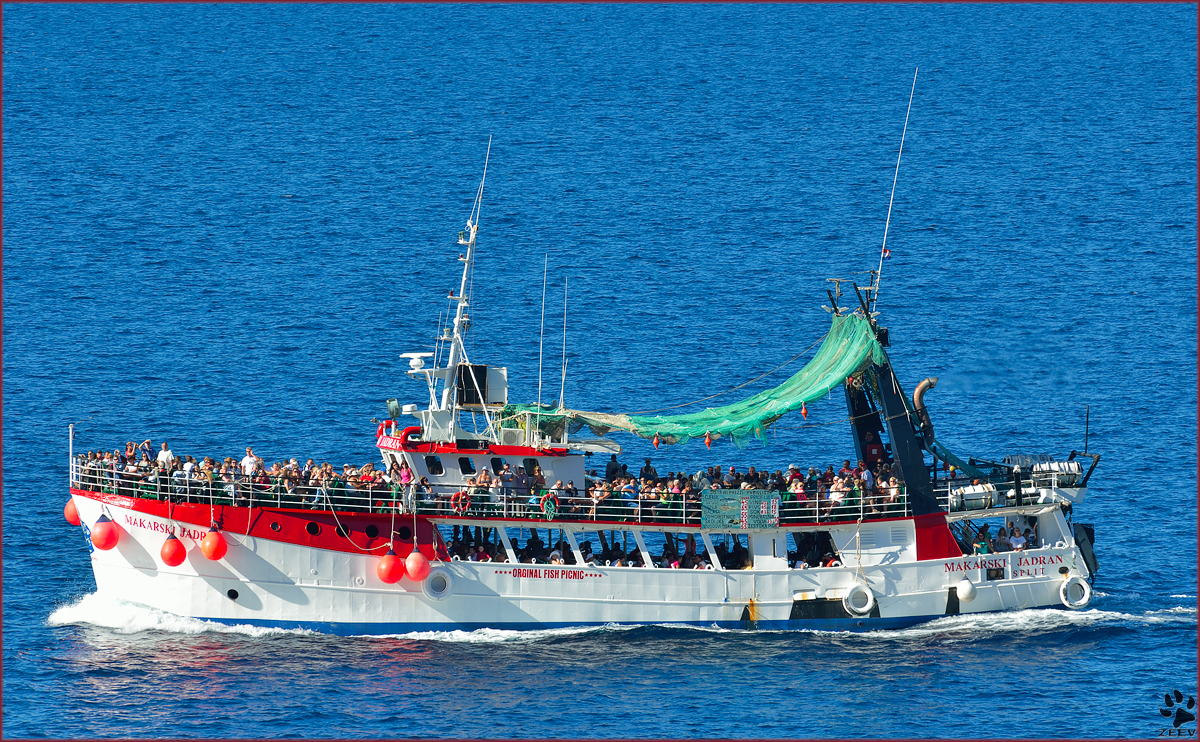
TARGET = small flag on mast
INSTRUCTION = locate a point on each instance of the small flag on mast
(886, 253)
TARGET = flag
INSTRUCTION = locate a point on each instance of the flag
(886, 253)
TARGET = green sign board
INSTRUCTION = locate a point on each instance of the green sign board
(739, 510)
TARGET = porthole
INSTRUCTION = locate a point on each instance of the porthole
(405, 533)
(313, 528)
(342, 531)
(233, 594)
(275, 526)
(372, 531)
(438, 585)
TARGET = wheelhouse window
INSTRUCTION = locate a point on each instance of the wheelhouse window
(434, 465)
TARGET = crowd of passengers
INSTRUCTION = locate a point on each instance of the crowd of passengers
(484, 545)
(874, 487)
(139, 470)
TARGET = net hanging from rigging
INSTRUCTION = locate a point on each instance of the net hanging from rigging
(849, 347)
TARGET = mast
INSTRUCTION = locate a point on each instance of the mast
(457, 351)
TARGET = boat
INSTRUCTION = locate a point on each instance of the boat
(439, 548)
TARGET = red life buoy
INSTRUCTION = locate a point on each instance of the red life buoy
(460, 502)
(549, 498)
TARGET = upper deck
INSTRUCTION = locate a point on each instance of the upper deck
(459, 504)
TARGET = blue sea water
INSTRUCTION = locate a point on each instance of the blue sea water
(223, 223)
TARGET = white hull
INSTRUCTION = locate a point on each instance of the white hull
(296, 586)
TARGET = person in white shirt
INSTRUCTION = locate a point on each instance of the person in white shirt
(249, 462)
(165, 457)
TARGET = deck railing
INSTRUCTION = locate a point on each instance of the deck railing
(454, 502)
(1033, 492)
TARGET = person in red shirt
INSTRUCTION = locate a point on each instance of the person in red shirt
(827, 476)
(846, 469)
(872, 449)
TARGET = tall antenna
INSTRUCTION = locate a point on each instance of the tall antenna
(541, 340)
(883, 250)
(563, 391)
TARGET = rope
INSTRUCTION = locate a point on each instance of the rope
(392, 527)
(858, 543)
(368, 550)
(739, 386)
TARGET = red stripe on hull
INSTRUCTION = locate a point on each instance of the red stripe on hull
(285, 525)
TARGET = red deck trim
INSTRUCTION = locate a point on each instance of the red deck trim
(396, 443)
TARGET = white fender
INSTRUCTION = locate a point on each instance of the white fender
(966, 590)
(1075, 593)
(859, 600)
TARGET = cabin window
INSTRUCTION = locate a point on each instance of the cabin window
(466, 465)
(813, 547)
(497, 465)
(434, 465)
(530, 465)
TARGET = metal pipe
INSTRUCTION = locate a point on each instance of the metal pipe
(919, 407)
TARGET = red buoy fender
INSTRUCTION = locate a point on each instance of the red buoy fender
(105, 533)
(213, 545)
(71, 513)
(390, 568)
(173, 551)
(418, 565)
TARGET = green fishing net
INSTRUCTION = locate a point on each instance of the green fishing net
(849, 346)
